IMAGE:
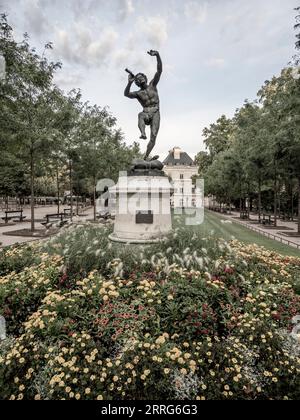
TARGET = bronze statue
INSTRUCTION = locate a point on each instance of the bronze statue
(149, 99)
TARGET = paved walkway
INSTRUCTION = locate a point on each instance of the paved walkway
(40, 213)
(276, 233)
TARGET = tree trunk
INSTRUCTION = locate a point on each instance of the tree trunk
(275, 199)
(95, 214)
(58, 195)
(299, 205)
(259, 199)
(71, 190)
(292, 204)
(279, 200)
(241, 198)
(32, 191)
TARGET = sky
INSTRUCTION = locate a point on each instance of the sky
(216, 54)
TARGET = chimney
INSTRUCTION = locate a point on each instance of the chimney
(177, 153)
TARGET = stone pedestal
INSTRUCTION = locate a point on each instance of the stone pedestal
(143, 210)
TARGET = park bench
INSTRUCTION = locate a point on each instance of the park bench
(57, 217)
(285, 217)
(268, 220)
(15, 215)
(244, 215)
(67, 212)
(224, 211)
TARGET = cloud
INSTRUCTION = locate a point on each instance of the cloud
(216, 62)
(36, 21)
(79, 46)
(155, 29)
(126, 9)
(196, 11)
(121, 57)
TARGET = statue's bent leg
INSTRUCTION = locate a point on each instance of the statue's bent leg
(142, 125)
(155, 125)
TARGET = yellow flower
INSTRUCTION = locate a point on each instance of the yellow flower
(88, 391)
(160, 340)
(99, 398)
(166, 371)
(115, 378)
(77, 396)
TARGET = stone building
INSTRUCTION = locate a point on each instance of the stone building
(181, 169)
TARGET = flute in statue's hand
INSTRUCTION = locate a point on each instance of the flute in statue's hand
(131, 75)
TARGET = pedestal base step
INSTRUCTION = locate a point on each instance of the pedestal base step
(115, 238)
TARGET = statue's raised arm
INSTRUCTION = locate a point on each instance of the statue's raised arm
(158, 74)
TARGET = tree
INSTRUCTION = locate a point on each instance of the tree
(13, 180)
(217, 137)
(28, 100)
(297, 28)
(102, 152)
(203, 160)
(280, 98)
(251, 139)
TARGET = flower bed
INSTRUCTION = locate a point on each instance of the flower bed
(87, 320)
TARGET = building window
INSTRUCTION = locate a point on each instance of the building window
(181, 176)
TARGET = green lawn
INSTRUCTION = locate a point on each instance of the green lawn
(213, 226)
